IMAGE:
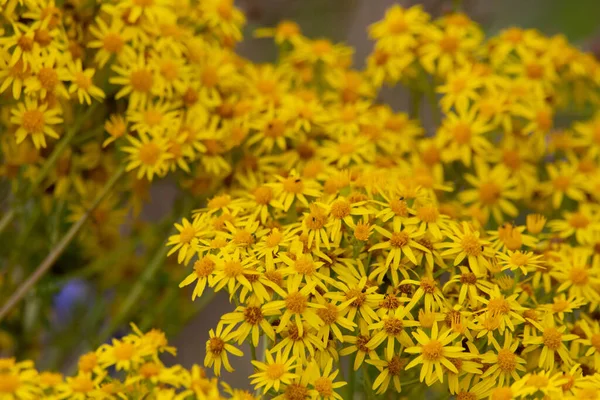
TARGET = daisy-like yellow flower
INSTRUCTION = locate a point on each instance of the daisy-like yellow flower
(506, 364)
(506, 308)
(252, 322)
(446, 48)
(223, 17)
(359, 344)
(297, 305)
(460, 89)
(390, 371)
(148, 155)
(462, 134)
(186, 240)
(123, 354)
(203, 275)
(294, 187)
(324, 385)
(592, 332)
(584, 224)
(434, 352)
(18, 380)
(399, 242)
(391, 328)
(470, 286)
(285, 31)
(429, 290)
(116, 127)
(217, 348)
(561, 305)
(399, 28)
(577, 275)
(35, 120)
(137, 76)
(467, 244)
(110, 39)
(493, 191)
(525, 261)
(274, 372)
(233, 270)
(82, 83)
(552, 343)
(564, 181)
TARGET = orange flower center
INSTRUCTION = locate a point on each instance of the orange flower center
(433, 351)
(552, 338)
(33, 121)
(113, 42)
(142, 80)
(149, 153)
(296, 302)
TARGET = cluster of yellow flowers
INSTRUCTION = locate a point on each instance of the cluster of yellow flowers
(466, 259)
(140, 374)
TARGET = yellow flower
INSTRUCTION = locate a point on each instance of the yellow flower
(253, 322)
(576, 274)
(35, 120)
(82, 84)
(123, 354)
(462, 134)
(466, 243)
(18, 380)
(493, 190)
(217, 348)
(148, 156)
(223, 17)
(274, 372)
(399, 242)
(552, 342)
(584, 224)
(391, 327)
(116, 127)
(137, 76)
(285, 31)
(390, 370)
(109, 40)
(323, 383)
(297, 305)
(399, 29)
(506, 362)
(434, 351)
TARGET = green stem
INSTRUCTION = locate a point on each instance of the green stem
(60, 247)
(7, 219)
(367, 383)
(415, 104)
(253, 351)
(351, 378)
(435, 110)
(50, 162)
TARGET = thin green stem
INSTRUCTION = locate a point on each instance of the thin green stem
(415, 103)
(367, 383)
(253, 351)
(433, 104)
(7, 219)
(351, 377)
(50, 162)
(60, 247)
